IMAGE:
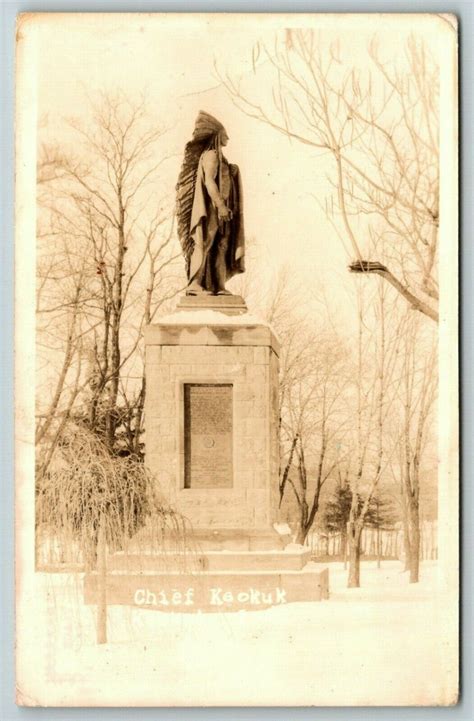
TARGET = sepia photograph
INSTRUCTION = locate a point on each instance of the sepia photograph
(236, 312)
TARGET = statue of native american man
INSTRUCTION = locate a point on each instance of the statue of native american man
(209, 210)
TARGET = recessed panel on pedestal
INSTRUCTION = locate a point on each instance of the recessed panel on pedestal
(208, 447)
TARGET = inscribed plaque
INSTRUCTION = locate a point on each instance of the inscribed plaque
(207, 435)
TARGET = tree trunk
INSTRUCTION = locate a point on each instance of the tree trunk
(303, 527)
(301, 535)
(354, 536)
(343, 548)
(415, 544)
(102, 584)
(373, 542)
(379, 549)
(353, 580)
(406, 541)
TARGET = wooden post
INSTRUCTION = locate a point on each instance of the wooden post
(102, 582)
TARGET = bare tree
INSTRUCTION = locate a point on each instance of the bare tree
(416, 395)
(61, 291)
(375, 378)
(104, 203)
(312, 418)
(379, 125)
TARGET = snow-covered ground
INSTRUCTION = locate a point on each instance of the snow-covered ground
(380, 644)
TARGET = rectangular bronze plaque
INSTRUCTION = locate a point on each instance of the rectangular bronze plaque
(208, 435)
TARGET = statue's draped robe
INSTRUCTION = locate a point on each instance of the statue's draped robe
(209, 234)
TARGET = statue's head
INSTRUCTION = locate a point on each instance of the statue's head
(207, 126)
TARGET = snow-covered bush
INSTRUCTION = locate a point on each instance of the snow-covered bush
(84, 486)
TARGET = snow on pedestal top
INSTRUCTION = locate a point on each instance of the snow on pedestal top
(204, 326)
(210, 317)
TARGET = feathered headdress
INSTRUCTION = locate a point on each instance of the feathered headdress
(205, 126)
(206, 129)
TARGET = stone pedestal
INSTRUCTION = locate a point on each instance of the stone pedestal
(212, 419)
(212, 442)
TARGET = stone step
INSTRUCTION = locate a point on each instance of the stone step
(211, 561)
(211, 591)
(202, 540)
(238, 539)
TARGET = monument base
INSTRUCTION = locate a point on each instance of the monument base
(238, 539)
(217, 539)
(210, 582)
(212, 410)
(228, 561)
(228, 304)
